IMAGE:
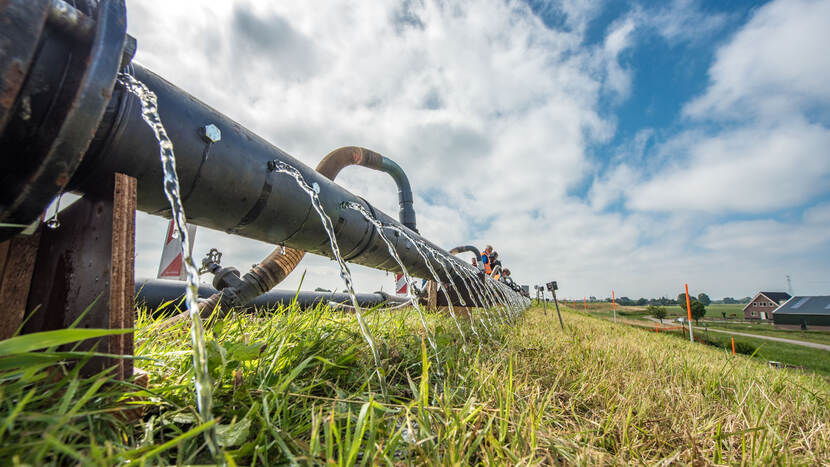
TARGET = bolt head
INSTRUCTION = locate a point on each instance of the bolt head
(211, 133)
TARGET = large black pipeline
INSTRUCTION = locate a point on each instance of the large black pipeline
(153, 293)
(230, 184)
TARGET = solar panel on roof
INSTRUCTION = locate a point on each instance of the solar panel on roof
(800, 302)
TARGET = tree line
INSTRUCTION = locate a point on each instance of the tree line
(665, 301)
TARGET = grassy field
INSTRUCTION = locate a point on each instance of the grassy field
(810, 359)
(713, 311)
(297, 387)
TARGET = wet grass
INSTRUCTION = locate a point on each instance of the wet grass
(298, 387)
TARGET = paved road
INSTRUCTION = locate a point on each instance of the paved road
(769, 338)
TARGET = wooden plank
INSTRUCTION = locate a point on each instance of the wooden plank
(17, 263)
(122, 275)
(85, 267)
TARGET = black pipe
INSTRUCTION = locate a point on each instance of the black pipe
(470, 248)
(234, 189)
(153, 293)
(406, 213)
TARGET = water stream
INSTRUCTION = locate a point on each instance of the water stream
(281, 167)
(440, 259)
(394, 253)
(202, 382)
(418, 247)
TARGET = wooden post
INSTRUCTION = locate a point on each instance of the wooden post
(17, 263)
(556, 302)
(432, 295)
(87, 265)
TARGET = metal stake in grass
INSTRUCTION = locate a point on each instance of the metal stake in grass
(557, 309)
(614, 306)
(689, 310)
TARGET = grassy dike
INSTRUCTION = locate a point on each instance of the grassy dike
(298, 387)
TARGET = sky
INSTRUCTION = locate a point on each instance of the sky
(608, 145)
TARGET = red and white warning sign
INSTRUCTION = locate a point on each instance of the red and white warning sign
(172, 266)
(400, 284)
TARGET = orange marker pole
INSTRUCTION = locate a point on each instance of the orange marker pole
(733, 346)
(656, 329)
(689, 310)
(614, 305)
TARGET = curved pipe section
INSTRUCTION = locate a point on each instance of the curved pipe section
(343, 157)
(463, 248)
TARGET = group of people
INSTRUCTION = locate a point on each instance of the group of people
(489, 264)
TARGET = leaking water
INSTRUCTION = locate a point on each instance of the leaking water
(409, 284)
(53, 222)
(420, 251)
(150, 114)
(345, 274)
(439, 258)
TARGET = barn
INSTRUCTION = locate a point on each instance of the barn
(811, 311)
(764, 304)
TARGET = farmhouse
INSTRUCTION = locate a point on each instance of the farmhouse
(808, 311)
(762, 306)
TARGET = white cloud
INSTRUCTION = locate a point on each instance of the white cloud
(757, 169)
(775, 67)
(768, 237)
(684, 20)
(769, 152)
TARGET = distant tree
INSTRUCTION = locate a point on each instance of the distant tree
(642, 302)
(696, 306)
(745, 300)
(592, 298)
(698, 311)
(704, 299)
(657, 311)
(625, 301)
(729, 301)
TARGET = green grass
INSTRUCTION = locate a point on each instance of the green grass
(713, 311)
(298, 387)
(811, 359)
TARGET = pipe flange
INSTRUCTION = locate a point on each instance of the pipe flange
(59, 162)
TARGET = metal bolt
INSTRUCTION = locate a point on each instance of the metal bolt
(211, 133)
